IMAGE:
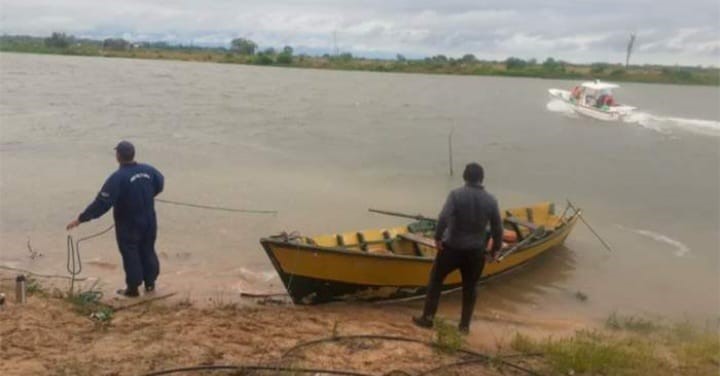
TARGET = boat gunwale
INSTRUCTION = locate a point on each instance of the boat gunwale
(560, 230)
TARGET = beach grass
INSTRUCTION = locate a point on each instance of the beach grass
(447, 337)
(630, 345)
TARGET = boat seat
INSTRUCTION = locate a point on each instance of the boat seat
(375, 241)
(388, 240)
(521, 223)
(418, 240)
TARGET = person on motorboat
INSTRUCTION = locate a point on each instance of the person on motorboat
(604, 100)
(576, 91)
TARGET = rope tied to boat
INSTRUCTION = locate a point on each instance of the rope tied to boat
(219, 208)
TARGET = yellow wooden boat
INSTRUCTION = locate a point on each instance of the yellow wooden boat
(395, 262)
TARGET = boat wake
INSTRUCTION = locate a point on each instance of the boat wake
(680, 248)
(562, 107)
(665, 124)
(660, 124)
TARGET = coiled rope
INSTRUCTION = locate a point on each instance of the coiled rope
(74, 263)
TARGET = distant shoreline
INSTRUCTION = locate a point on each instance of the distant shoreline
(550, 69)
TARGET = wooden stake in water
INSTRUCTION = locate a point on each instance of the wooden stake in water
(450, 151)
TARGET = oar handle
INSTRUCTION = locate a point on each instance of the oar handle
(417, 217)
(538, 232)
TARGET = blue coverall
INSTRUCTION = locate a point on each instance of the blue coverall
(131, 191)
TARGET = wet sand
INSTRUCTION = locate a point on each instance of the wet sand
(46, 336)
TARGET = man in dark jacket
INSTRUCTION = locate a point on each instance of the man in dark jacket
(461, 238)
(131, 191)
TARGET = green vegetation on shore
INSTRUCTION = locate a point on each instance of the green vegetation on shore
(244, 51)
(630, 345)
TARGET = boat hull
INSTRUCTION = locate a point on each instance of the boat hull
(613, 114)
(313, 274)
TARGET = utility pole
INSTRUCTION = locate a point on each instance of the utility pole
(630, 46)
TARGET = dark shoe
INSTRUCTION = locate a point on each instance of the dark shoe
(464, 329)
(423, 322)
(128, 292)
(149, 288)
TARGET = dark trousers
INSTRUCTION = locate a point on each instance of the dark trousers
(137, 248)
(470, 263)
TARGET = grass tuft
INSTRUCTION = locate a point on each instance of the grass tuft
(631, 323)
(86, 302)
(593, 353)
(633, 346)
(524, 344)
(33, 287)
(447, 337)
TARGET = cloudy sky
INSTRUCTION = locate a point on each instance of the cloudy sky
(669, 32)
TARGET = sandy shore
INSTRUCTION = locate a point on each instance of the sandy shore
(57, 334)
(48, 336)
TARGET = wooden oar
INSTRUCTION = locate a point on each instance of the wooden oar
(417, 217)
(535, 234)
(582, 219)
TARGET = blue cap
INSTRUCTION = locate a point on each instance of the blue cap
(125, 150)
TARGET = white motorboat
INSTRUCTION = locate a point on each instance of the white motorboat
(594, 99)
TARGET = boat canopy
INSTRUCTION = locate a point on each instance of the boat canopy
(597, 85)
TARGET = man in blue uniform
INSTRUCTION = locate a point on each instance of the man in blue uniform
(460, 239)
(131, 191)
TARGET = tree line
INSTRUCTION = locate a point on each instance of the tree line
(246, 51)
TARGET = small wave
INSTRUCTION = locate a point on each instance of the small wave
(665, 125)
(263, 275)
(680, 248)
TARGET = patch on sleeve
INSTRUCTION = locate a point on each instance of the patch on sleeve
(104, 195)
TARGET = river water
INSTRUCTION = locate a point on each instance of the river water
(322, 147)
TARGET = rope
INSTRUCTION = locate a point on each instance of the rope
(475, 361)
(74, 263)
(479, 357)
(259, 295)
(241, 368)
(371, 336)
(178, 203)
(145, 301)
(39, 275)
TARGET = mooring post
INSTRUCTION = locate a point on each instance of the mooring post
(450, 151)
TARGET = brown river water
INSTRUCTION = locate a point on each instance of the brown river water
(322, 147)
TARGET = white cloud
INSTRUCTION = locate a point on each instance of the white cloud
(668, 32)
